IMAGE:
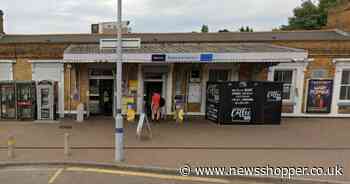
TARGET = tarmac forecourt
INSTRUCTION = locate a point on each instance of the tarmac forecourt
(57, 169)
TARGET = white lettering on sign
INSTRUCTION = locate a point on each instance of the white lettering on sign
(242, 113)
(274, 96)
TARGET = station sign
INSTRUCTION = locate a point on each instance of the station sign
(158, 57)
(183, 57)
(206, 57)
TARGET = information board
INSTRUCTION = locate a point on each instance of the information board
(194, 93)
(242, 95)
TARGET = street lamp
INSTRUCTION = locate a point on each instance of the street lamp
(119, 130)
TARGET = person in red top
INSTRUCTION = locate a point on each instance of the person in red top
(155, 106)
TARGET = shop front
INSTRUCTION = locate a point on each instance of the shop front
(179, 72)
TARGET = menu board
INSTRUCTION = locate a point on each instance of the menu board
(242, 102)
(213, 102)
(319, 98)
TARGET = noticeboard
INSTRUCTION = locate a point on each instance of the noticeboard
(319, 98)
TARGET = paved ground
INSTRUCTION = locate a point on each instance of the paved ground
(74, 175)
(297, 142)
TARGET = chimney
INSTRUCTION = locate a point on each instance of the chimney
(1, 23)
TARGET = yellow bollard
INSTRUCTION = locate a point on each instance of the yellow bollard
(11, 142)
(181, 115)
(131, 115)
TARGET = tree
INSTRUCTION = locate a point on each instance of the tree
(310, 15)
(223, 30)
(246, 29)
(205, 28)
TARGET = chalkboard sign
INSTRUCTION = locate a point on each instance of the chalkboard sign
(319, 98)
(244, 102)
(243, 99)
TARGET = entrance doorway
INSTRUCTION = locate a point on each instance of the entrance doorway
(101, 97)
(149, 88)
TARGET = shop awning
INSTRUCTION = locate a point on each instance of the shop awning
(187, 53)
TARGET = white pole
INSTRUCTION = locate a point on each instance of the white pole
(119, 130)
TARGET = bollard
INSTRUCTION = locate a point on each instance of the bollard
(11, 146)
(66, 144)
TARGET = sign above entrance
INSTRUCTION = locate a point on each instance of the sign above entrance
(183, 57)
(206, 57)
(158, 57)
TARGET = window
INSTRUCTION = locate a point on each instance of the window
(345, 85)
(218, 75)
(285, 76)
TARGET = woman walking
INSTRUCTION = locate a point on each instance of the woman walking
(155, 106)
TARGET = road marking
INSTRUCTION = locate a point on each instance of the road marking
(28, 169)
(54, 177)
(149, 175)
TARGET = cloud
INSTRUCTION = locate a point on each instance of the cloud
(67, 16)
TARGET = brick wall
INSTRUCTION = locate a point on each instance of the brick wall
(77, 75)
(339, 17)
(22, 70)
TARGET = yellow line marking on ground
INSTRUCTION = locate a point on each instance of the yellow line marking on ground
(54, 177)
(149, 175)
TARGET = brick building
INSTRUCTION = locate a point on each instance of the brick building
(180, 64)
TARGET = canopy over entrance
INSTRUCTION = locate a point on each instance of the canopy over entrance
(187, 53)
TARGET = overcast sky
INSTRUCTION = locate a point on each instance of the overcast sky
(75, 16)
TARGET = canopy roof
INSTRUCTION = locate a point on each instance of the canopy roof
(218, 52)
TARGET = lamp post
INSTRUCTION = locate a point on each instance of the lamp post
(119, 130)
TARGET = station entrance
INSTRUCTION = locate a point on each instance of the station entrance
(150, 88)
(101, 89)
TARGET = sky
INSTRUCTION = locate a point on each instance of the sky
(76, 16)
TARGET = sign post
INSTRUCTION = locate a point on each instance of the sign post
(119, 130)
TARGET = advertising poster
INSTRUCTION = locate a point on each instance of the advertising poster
(319, 98)
(213, 102)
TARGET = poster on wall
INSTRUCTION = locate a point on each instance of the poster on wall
(319, 98)
(194, 93)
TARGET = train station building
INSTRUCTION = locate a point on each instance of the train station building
(313, 65)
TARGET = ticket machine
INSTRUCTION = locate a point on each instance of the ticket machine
(46, 98)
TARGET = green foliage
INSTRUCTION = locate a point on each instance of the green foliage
(310, 15)
(205, 28)
(246, 29)
(223, 30)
